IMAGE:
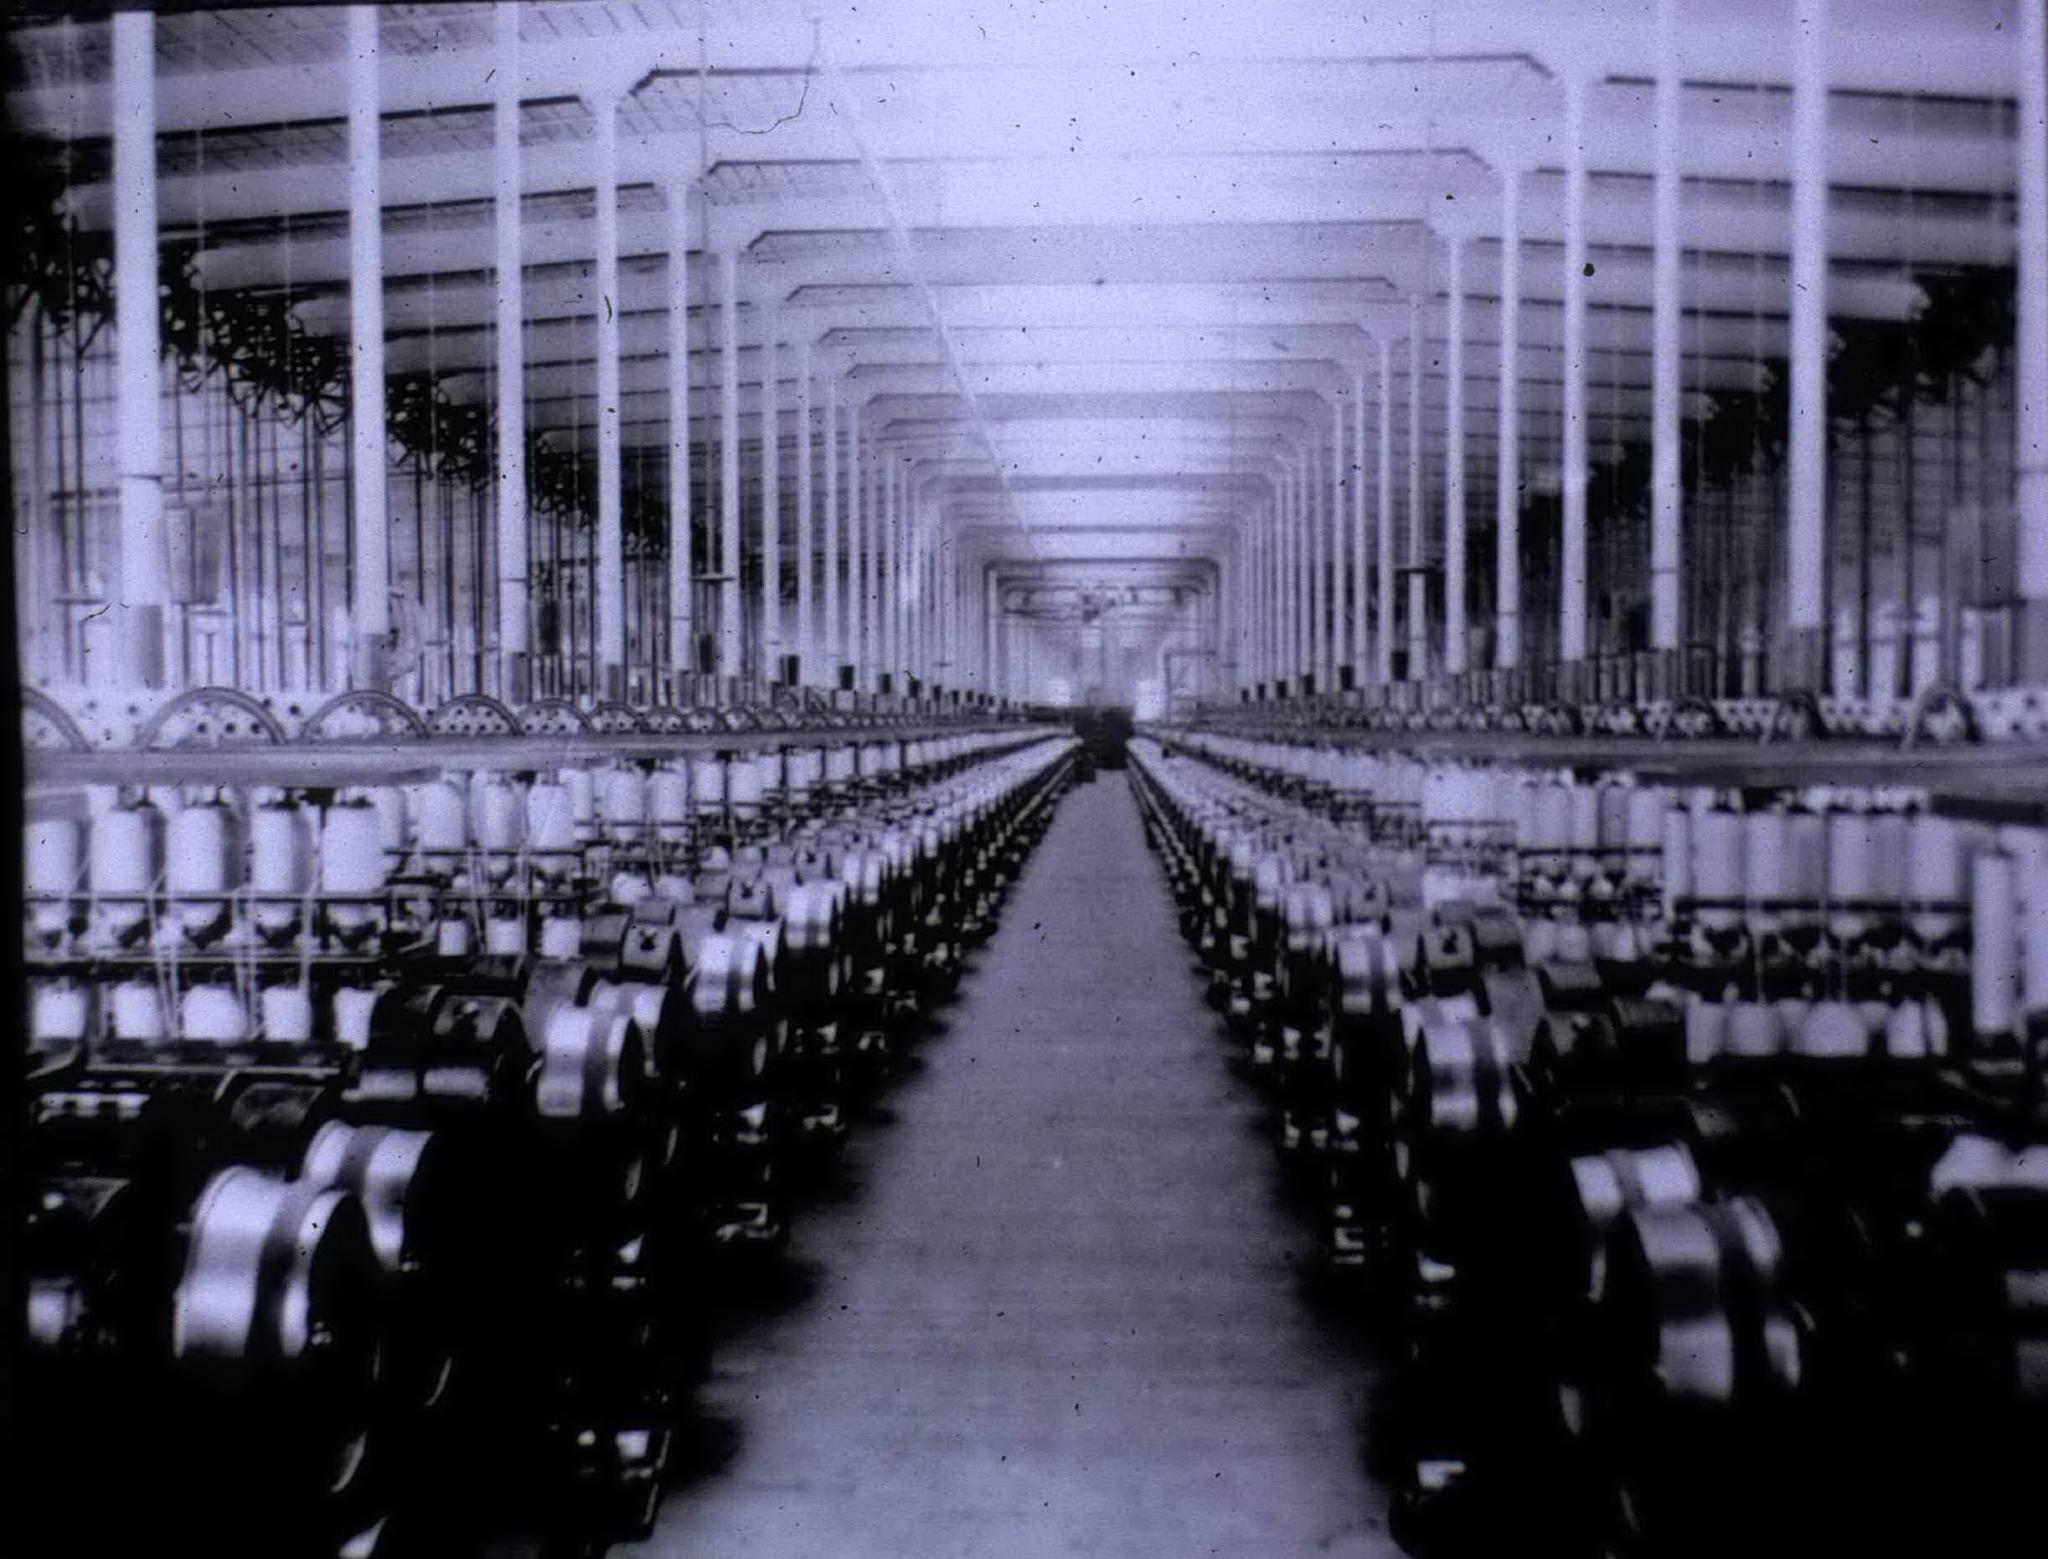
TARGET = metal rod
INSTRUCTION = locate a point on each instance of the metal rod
(1507, 510)
(1666, 491)
(514, 611)
(370, 584)
(1454, 463)
(1572, 553)
(682, 562)
(730, 643)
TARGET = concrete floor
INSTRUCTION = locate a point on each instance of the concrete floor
(1058, 1309)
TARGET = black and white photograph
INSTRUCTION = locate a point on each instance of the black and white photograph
(1026, 779)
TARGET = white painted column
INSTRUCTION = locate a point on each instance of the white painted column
(1454, 462)
(806, 496)
(991, 643)
(2031, 339)
(835, 625)
(144, 564)
(610, 587)
(1572, 636)
(1361, 651)
(1318, 563)
(1666, 489)
(888, 558)
(1507, 506)
(1333, 517)
(731, 641)
(369, 605)
(1418, 506)
(515, 642)
(1383, 459)
(771, 486)
(1807, 454)
(1304, 560)
(682, 560)
(857, 551)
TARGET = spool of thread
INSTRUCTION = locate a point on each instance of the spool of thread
(1676, 861)
(52, 856)
(1753, 1030)
(668, 798)
(582, 787)
(351, 850)
(1553, 818)
(1906, 1037)
(1706, 1030)
(629, 888)
(352, 1009)
(561, 936)
(707, 784)
(1935, 881)
(280, 850)
(61, 1013)
(440, 818)
(136, 1010)
(1644, 829)
(1890, 834)
(839, 765)
(2029, 850)
(1574, 942)
(125, 850)
(1852, 871)
(500, 818)
(287, 1014)
(745, 789)
(1806, 854)
(1833, 1030)
(1611, 824)
(625, 804)
(280, 865)
(453, 936)
(1994, 946)
(200, 860)
(550, 819)
(212, 1014)
(504, 936)
(1766, 867)
(1718, 875)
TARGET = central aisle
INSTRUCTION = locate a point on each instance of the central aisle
(1061, 1314)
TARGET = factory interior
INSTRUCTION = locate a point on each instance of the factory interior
(1049, 780)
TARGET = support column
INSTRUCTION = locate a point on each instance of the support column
(731, 643)
(143, 593)
(887, 559)
(682, 558)
(1454, 464)
(610, 589)
(1804, 663)
(1334, 646)
(1304, 564)
(771, 490)
(806, 495)
(1666, 490)
(1361, 653)
(857, 552)
(1318, 569)
(1507, 504)
(369, 601)
(834, 651)
(515, 642)
(1384, 459)
(991, 667)
(2031, 343)
(1572, 561)
(1418, 506)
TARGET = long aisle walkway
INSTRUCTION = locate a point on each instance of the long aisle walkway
(1061, 1314)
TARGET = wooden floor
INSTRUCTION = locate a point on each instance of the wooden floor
(1058, 1309)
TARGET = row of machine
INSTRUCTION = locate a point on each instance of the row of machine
(1684, 1146)
(390, 1139)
